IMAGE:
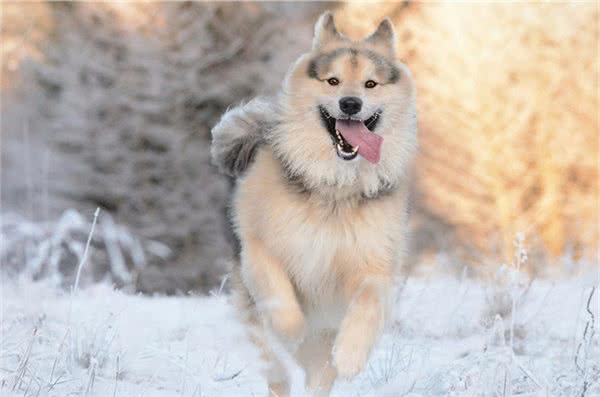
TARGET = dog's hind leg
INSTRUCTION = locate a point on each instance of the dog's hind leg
(279, 390)
(276, 377)
(314, 354)
(273, 370)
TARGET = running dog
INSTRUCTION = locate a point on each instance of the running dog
(320, 204)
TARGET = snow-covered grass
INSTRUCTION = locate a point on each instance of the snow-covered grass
(449, 335)
(55, 249)
(443, 341)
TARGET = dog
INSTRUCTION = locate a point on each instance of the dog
(320, 205)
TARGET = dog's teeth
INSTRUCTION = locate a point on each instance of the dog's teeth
(345, 154)
(337, 132)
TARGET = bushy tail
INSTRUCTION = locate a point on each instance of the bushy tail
(240, 132)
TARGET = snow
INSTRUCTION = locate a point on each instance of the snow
(444, 340)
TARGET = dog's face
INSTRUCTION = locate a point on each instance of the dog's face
(347, 107)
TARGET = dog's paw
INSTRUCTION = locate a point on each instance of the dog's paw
(289, 324)
(348, 360)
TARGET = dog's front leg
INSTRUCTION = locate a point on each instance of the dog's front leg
(362, 324)
(271, 288)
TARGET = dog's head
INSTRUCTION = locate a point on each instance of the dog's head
(348, 109)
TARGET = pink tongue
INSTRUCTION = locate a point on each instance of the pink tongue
(356, 134)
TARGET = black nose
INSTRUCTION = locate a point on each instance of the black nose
(350, 104)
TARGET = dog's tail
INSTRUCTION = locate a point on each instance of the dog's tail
(240, 132)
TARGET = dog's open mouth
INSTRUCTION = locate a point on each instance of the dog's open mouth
(352, 137)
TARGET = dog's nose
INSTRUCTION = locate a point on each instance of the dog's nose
(350, 104)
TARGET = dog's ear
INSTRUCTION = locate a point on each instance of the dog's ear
(384, 37)
(325, 31)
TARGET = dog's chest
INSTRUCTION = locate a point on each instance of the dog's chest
(320, 243)
(309, 251)
(320, 246)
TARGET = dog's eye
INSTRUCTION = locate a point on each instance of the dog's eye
(333, 81)
(370, 84)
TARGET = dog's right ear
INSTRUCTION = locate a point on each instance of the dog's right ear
(384, 36)
(325, 31)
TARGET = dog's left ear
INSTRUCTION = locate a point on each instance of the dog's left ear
(384, 37)
(325, 31)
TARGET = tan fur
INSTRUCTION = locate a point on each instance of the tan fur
(318, 266)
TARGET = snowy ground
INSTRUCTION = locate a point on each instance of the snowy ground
(443, 342)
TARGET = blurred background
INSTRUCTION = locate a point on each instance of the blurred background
(110, 105)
